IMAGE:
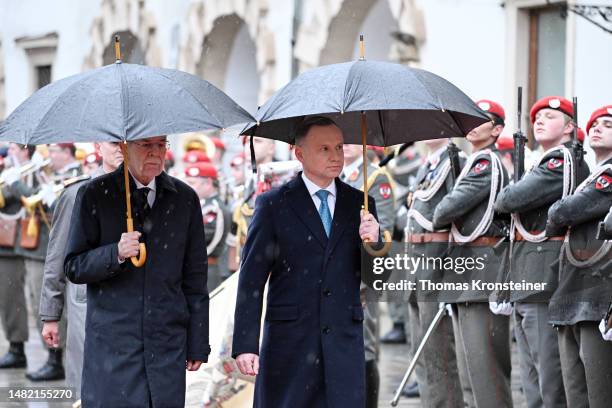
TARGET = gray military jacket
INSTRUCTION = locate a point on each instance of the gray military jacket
(465, 206)
(584, 292)
(426, 177)
(52, 296)
(531, 198)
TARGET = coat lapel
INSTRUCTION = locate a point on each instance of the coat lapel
(303, 206)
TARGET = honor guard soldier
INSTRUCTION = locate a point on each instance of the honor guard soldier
(585, 276)
(437, 367)
(14, 181)
(60, 297)
(203, 178)
(532, 252)
(244, 208)
(476, 231)
(65, 167)
(403, 169)
(380, 188)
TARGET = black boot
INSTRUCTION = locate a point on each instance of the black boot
(397, 335)
(14, 358)
(372, 384)
(411, 390)
(52, 370)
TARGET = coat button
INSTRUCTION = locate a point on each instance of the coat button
(326, 330)
(327, 292)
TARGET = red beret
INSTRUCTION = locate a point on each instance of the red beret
(603, 111)
(505, 142)
(238, 160)
(195, 156)
(552, 102)
(218, 143)
(378, 149)
(92, 158)
(201, 169)
(492, 107)
(580, 134)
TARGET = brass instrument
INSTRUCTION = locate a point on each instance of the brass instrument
(28, 169)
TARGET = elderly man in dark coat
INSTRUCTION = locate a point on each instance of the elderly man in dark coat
(306, 237)
(144, 325)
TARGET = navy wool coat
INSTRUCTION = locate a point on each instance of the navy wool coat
(142, 323)
(312, 352)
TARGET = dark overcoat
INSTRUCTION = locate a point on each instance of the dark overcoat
(312, 352)
(142, 323)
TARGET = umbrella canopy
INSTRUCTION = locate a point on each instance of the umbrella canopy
(120, 102)
(401, 104)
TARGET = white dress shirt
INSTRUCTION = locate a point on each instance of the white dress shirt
(312, 190)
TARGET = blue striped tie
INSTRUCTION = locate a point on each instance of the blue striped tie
(324, 210)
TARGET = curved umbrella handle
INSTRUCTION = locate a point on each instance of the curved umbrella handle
(379, 252)
(142, 256)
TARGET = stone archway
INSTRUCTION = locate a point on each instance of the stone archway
(205, 49)
(229, 61)
(331, 30)
(138, 29)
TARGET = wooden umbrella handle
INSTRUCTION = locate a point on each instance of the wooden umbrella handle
(142, 256)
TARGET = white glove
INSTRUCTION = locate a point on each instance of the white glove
(605, 333)
(47, 194)
(504, 308)
(11, 175)
(449, 308)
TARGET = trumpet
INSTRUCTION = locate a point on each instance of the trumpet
(32, 201)
(28, 169)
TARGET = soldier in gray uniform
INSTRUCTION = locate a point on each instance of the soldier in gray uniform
(585, 276)
(533, 253)
(203, 178)
(59, 294)
(403, 168)
(380, 188)
(13, 309)
(476, 230)
(437, 372)
(65, 166)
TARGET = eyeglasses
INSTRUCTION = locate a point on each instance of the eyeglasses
(163, 145)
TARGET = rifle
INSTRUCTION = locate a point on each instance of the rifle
(604, 231)
(519, 141)
(453, 156)
(394, 154)
(576, 145)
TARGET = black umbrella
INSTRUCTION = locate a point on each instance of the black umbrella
(373, 102)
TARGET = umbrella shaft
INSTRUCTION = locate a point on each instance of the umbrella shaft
(364, 127)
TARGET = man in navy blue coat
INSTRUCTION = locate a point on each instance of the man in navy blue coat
(306, 237)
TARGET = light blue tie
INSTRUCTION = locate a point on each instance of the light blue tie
(324, 210)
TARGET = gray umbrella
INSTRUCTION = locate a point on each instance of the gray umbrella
(401, 104)
(121, 102)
